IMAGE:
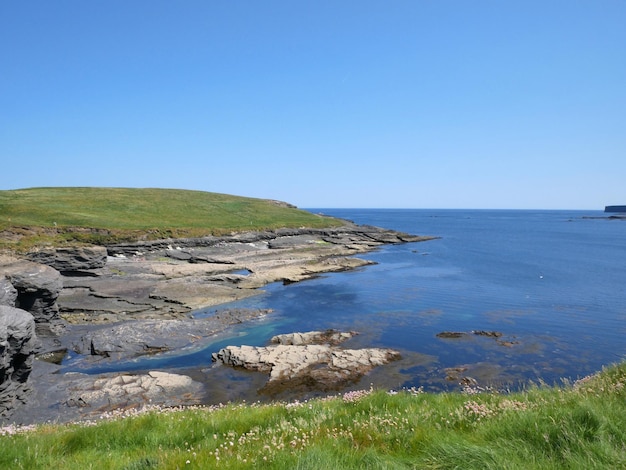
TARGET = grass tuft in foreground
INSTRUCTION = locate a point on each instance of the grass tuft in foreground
(579, 426)
(40, 216)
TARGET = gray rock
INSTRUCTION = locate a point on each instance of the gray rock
(37, 285)
(312, 366)
(136, 338)
(70, 259)
(332, 337)
(70, 397)
(17, 352)
(8, 294)
(133, 391)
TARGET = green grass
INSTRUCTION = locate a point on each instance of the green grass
(39, 216)
(579, 426)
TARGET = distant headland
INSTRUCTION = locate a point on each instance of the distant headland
(615, 209)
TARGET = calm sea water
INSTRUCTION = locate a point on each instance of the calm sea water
(552, 283)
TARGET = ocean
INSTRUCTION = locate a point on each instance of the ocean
(530, 296)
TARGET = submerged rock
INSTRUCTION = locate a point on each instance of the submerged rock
(496, 335)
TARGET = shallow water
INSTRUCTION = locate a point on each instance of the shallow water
(552, 282)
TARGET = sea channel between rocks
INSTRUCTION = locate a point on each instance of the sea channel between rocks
(103, 305)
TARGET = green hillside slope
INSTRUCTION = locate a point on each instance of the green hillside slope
(106, 215)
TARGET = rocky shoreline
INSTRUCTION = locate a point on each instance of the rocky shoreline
(106, 304)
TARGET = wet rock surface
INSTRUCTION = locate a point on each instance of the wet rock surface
(135, 338)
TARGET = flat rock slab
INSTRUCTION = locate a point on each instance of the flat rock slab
(170, 278)
(72, 397)
(132, 390)
(135, 338)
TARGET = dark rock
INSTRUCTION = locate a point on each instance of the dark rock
(37, 285)
(489, 334)
(451, 334)
(71, 259)
(17, 352)
(454, 373)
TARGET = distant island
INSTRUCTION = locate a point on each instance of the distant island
(615, 209)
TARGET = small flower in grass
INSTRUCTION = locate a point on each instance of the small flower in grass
(355, 395)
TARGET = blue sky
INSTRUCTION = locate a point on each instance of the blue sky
(420, 104)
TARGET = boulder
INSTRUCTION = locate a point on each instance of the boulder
(71, 259)
(316, 366)
(17, 352)
(37, 285)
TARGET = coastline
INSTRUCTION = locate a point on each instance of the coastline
(141, 302)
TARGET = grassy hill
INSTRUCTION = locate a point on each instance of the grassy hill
(580, 426)
(39, 216)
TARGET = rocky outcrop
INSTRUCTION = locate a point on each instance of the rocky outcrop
(132, 391)
(60, 397)
(346, 234)
(293, 363)
(170, 278)
(136, 338)
(150, 288)
(71, 259)
(17, 352)
(37, 285)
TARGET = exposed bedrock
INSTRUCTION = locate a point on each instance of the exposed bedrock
(70, 259)
(305, 360)
(286, 237)
(8, 294)
(17, 352)
(135, 338)
(173, 277)
(37, 286)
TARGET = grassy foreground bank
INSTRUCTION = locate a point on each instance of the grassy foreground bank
(57, 216)
(581, 426)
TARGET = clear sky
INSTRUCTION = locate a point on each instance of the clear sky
(324, 103)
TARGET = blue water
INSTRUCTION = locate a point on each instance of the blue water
(552, 282)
